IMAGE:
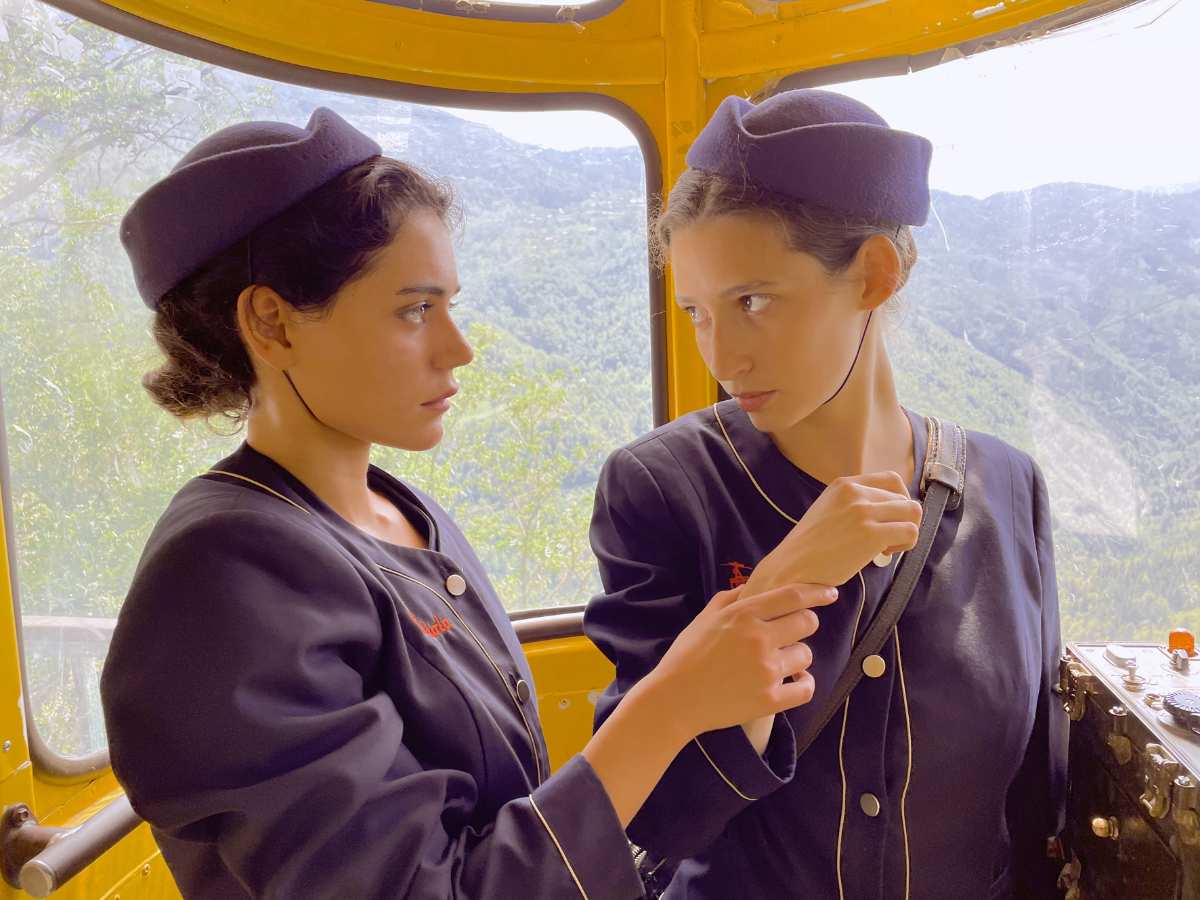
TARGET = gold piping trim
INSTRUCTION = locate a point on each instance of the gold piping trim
(746, 469)
(258, 484)
(846, 708)
(537, 757)
(908, 773)
(842, 744)
(558, 846)
(724, 778)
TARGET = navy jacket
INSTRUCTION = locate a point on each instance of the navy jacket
(303, 711)
(941, 778)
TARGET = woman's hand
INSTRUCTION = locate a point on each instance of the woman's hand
(853, 521)
(730, 664)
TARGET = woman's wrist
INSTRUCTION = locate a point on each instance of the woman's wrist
(658, 701)
(633, 748)
(758, 732)
(762, 579)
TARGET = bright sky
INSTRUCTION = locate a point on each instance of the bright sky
(1113, 102)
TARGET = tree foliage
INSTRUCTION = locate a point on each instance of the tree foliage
(1062, 319)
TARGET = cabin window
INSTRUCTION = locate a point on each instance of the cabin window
(1056, 302)
(552, 258)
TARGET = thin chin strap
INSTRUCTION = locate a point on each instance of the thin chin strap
(250, 281)
(300, 397)
(862, 340)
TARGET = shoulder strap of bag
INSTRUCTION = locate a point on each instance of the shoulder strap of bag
(942, 480)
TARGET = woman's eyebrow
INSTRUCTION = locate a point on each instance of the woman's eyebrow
(744, 288)
(732, 291)
(427, 290)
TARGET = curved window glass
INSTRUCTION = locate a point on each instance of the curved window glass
(1057, 299)
(553, 263)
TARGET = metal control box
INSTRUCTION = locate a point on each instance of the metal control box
(1134, 803)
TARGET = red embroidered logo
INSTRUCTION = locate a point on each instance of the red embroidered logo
(739, 573)
(435, 629)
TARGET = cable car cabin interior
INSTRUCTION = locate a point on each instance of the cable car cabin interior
(1056, 305)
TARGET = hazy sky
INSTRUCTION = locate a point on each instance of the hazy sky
(1112, 102)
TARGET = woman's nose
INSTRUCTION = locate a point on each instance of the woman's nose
(726, 356)
(457, 350)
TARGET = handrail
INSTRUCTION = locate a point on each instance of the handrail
(39, 859)
(549, 627)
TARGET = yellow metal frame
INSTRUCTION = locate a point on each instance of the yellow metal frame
(668, 62)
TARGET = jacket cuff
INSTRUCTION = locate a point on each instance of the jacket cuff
(581, 823)
(744, 772)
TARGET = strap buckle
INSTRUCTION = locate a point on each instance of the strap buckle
(945, 460)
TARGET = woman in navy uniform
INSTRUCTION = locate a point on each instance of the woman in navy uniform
(942, 775)
(312, 690)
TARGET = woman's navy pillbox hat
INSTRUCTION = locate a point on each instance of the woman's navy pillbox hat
(229, 184)
(821, 148)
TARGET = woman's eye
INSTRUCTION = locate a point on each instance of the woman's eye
(755, 303)
(415, 313)
(696, 315)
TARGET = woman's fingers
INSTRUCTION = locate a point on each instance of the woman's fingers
(724, 598)
(897, 510)
(794, 693)
(887, 481)
(795, 659)
(896, 536)
(793, 627)
(790, 598)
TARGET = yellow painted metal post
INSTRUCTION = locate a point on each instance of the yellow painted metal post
(16, 772)
(690, 385)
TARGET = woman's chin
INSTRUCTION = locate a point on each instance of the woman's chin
(416, 440)
(777, 417)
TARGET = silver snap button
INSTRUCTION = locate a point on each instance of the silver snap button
(883, 560)
(523, 691)
(456, 585)
(874, 666)
(870, 804)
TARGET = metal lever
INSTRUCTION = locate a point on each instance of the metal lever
(39, 859)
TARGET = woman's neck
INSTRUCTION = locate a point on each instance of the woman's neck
(863, 429)
(331, 465)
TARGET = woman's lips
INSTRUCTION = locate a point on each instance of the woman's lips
(752, 401)
(440, 404)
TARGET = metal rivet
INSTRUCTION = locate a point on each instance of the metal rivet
(874, 666)
(146, 870)
(456, 585)
(564, 703)
(870, 804)
(7, 746)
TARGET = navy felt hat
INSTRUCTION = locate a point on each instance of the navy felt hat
(821, 148)
(228, 185)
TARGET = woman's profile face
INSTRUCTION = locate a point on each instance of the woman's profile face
(775, 328)
(379, 367)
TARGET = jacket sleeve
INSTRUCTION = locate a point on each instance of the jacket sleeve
(1036, 809)
(241, 711)
(652, 589)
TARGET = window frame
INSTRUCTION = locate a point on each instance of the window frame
(504, 11)
(888, 66)
(44, 757)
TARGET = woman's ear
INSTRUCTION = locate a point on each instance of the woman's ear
(263, 319)
(878, 263)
